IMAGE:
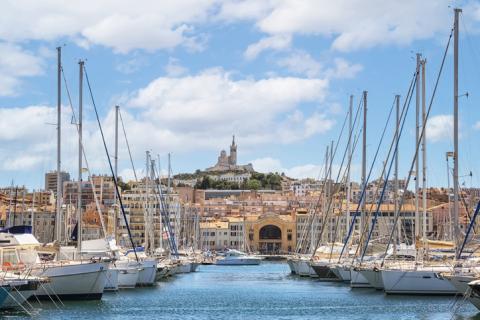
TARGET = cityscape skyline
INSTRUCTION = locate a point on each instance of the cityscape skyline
(189, 95)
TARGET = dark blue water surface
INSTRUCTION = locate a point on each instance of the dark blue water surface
(267, 291)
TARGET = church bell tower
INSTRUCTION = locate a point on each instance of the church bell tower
(232, 159)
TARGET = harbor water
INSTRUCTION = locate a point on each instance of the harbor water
(267, 291)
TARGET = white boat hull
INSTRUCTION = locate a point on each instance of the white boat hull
(112, 279)
(194, 266)
(424, 282)
(460, 282)
(17, 298)
(72, 281)
(374, 277)
(127, 278)
(357, 280)
(238, 262)
(291, 265)
(146, 276)
(184, 267)
(342, 273)
(304, 269)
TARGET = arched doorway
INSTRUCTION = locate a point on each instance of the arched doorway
(270, 237)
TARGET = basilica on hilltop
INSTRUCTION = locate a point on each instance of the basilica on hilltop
(229, 163)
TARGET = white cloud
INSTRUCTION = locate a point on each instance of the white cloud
(181, 114)
(439, 127)
(350, 24)
(343, 69)
(277, 42)
(196, 110)
(22, 162)
(301, 62)
(152, 25)
(358, 24)
(174, 68)
(476, 126)
(131, 65)
(118, 24)
(268, 164)
(16, 63)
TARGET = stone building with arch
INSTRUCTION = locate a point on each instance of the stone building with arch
(271, 233)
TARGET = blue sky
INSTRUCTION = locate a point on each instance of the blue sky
(189, 74)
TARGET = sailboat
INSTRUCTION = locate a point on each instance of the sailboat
(420, 278)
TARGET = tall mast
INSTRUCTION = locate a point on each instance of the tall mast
(175, 225)
(169, 178)
(324, 211)
(347, 212)
(417, 141)
(364, 161)
(455, 129)
(58, 224)
(80, 152)
(151, 212)
(330, 187)
(395, 195)
(424, 158)
(33, 212)
(117, 109)
(160, 209)
(147, 202)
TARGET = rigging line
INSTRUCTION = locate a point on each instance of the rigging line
(163, 208)
(327, 213)
(422, 133)
(362, 232)
(396, 140)
(369, 212)
(470, 227)
(397, 135)
(333, 156)
(349, 161)
(115, 181)
(364, 187)
(314, 207)
(74, 118)
(128, 145)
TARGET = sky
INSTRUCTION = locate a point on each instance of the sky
(189, 74)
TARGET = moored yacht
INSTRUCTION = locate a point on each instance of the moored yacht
(67, 279)
(323, 270)
(22, 287)
(417, 280)
(235, 258)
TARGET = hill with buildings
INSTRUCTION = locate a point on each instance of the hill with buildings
(226, 174)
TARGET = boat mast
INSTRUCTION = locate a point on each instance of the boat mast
(58, 231)
(417, 138)
(175, 226)
(395, 187)
(424, 159)
(115, 163)
(347, 212)
(80, 152)
(160, 209)
(147, 202)
(315, 219)
(364, 162)
(33, 212)
(330, 195)
(455, 129)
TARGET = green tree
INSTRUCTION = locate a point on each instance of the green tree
(253, 184)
